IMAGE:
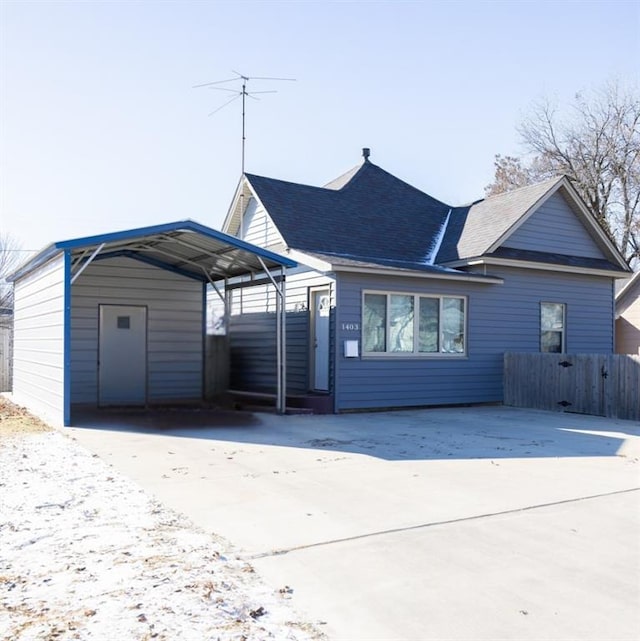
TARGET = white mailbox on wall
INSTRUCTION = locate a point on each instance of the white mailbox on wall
(351, 349)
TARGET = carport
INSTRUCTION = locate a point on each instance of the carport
(119, 318)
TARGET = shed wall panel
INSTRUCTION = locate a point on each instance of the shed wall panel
(499, 318)
(38, 359)
(555, 228)
(174, 327)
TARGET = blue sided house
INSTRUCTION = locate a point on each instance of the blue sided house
(402, 300)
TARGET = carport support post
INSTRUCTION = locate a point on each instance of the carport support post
(281, 341)
(227, 307)
(282, 349)
(66, 341)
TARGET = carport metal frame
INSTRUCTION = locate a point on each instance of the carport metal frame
(183, 247)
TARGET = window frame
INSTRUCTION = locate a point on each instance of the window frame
(562, 332)
(416, 325)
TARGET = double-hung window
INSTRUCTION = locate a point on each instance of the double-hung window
(413, 324)
(552, 327)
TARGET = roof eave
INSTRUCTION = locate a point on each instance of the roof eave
(228, 219)
(413, 273)
(591, 221)
(527, 264)
(325, 266)
(628, 287)
(131, 234)
(310, 261)
(181, 225)
(42, 257)
(229, 226)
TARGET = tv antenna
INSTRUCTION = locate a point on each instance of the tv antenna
(240, 93)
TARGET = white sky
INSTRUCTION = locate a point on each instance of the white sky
(100, 129)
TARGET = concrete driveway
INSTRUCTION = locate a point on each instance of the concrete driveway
(465, 523)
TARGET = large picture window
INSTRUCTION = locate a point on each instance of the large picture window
(552, 327)
(413, 324)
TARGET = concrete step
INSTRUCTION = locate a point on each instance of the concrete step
(266, 401)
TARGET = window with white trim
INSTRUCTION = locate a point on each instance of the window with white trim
(394, 323)
(552, 327)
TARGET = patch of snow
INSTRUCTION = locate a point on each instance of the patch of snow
(86, 554)
(431, 256)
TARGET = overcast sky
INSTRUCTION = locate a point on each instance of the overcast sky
(101, 130)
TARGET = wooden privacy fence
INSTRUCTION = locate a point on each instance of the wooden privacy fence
(598, 384)
(5, 358)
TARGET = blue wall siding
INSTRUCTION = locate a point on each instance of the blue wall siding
(252, 345)
(499, 318)
(555, 228)
(252, 333)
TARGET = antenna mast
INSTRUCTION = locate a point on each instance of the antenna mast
(242, 93)
(244, 138)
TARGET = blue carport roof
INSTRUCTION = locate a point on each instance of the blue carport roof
(184, 246)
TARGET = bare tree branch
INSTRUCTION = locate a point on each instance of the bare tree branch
(10, 258)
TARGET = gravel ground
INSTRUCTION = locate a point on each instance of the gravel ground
(86, 554)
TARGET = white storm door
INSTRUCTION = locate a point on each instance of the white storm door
(122, 355)
(321, 306)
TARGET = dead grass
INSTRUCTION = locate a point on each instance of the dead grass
(16, 420)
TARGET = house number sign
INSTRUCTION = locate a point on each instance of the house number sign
(350, 327)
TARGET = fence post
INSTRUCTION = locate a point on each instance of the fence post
(6, 358)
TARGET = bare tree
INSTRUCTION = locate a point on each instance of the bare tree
(597, 145)
(511, 172)
(10, 256)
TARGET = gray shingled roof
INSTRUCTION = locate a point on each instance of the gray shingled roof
(369, 217)
(341, 181)
(472, 230)
(373, 215)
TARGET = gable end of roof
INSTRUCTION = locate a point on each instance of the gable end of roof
(482, 228)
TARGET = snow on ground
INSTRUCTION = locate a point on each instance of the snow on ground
(86, 554)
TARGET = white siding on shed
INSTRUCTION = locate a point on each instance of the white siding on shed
(38, 356)
(175, 330)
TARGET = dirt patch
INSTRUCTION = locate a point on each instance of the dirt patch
(17, 420)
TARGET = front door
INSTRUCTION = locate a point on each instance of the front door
(122, 355)
(320, 309)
